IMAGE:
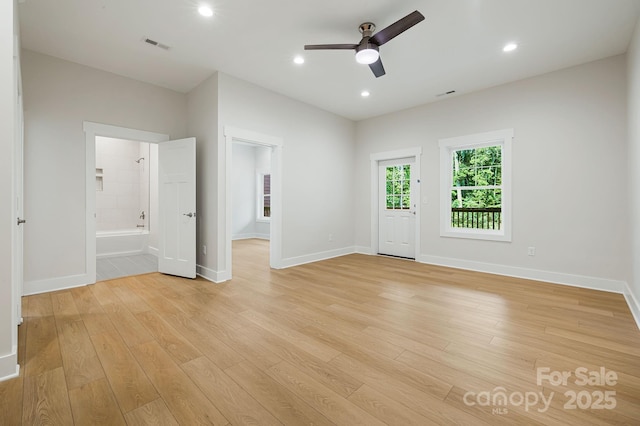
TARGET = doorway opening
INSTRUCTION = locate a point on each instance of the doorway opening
(97, 134)
(251, 204)
(266, 175)
(395, 203)
(126, 184)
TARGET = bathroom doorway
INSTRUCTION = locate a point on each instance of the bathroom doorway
(92, 132)
(126, 207)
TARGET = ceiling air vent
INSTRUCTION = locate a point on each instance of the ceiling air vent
(155, 43)
(450, 92)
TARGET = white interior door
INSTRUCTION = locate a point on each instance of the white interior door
(177, 207)
(18, 192)
(397, 208)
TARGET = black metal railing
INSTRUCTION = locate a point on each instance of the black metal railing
(476, 218)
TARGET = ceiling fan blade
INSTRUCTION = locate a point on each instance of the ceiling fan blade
(397, 28)
(330, 46)
(377, 68)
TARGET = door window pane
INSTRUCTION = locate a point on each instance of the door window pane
(398, 187)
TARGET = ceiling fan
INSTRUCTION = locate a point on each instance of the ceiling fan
(367, 50)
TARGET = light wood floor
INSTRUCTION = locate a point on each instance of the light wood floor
(353, 340)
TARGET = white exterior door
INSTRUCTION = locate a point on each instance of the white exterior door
(177, 212)
(397, 208)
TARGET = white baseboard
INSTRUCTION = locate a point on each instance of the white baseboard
(54, 284)
(9, 367)
(364, 250)
(211, 275)
(594, 283)
(633, 303)
(250, 236)
(315, 257)
(119, 254)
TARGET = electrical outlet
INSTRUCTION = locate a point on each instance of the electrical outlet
(531, 251)
(204, 250)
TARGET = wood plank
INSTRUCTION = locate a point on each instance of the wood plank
(39, 306)
(233, 401)
(43, 349)
(304, 342)
(64, 307)
(184, 399)
(11, 392)
(386, 409)
(132, 332)
(285, 405)
(85, 301)
(171, 341)
(154, 413)
(325, 373)
(204, 338)
(81, 363)
(130, 385)
(98, 323)
(425, 404)
(94, 404)
(595, 341)
(46, 399)
(103, 293)
(425, 380)
(132, 301)
(323, 399)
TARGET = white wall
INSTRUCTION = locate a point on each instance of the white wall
(125, 184)
(569, 172)
(154, 207)
(318, 158)
(633, 72)
(59, 96)
(243, 187)
(317, 166)
(202, 107)
(8, 349)
(247, 161)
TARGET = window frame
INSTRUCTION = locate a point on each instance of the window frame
(503, 138)
(260, 217)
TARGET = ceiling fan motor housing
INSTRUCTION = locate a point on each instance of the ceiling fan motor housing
(367, 29)
(368, 57)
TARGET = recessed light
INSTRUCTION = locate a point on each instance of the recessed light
(298, 60)
(205, 11)
(510, 47)
(365, 94)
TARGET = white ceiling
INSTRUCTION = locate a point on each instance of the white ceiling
(458, 46)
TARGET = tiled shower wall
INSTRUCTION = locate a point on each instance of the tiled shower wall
(122, 184)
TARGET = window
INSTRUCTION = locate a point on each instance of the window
(264, 197)
(475, 180)
(398, 184)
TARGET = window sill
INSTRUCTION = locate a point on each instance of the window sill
(475, 234)
(263, 220)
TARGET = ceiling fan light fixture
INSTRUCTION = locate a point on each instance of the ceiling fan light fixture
(367, 56)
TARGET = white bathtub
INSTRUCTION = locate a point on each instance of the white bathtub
(121, 243)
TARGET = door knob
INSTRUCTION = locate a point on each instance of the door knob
(189, 214)
(21, 221)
